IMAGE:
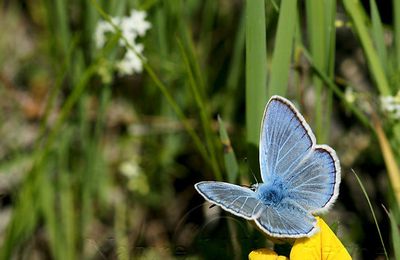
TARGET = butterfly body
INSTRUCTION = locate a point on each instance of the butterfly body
(271, 193)
(300, 178)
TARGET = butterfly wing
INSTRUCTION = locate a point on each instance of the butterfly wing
(238, 200)
(286, 220)
(288, 152)
(285, 138)
(314, 183)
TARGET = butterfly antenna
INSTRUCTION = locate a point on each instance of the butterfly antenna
(254, 176)
(254, 186)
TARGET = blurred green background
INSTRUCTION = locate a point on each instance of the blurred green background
(100, 164)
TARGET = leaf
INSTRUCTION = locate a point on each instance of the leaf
(231, 164)
(283, 49)
(355, 12)
(377, 33)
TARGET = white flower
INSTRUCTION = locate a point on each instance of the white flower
(131, 27)
(131, 62)
(127, 31)
(349, 95)
(130, 169)
(102, 28)
(391, 105)
(138, 23)
(137, 180)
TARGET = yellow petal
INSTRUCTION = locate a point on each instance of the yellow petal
(322, 246)
(265, 254)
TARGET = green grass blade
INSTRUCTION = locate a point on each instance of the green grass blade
(57, 88)
(199, 75)
(363, 119)
(204, 115)
(330, 7)
(283, 49)
(72, 99)
(318, 43)
(210, 14)
(231, 165)
(372, 211)
(120, 229)
(189, 128)
(256, 75)
(47, 201)
(354, 10)
(393, 170)
(377, 34)
(162, 34)
(394, 227)
(395, 236)
(24, 219)
(68, 219)
(396, 25)
(53, 195)
(57, 13)
(233, 80)
(64, 35)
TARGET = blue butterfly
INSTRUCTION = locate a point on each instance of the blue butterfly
(300, 178)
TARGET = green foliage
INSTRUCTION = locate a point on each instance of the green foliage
(283, 51)
(373, 213)
(256, 75)
(110, 162)
(395, 235)
(231, 165)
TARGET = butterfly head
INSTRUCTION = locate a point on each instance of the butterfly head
(254, 186)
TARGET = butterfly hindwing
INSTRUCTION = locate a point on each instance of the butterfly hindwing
(233, 198)
(314, 184)
(287, 220)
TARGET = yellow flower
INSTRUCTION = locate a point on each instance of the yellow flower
(324, 245)
(265, 254)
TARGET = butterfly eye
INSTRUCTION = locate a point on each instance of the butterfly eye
(254, 187)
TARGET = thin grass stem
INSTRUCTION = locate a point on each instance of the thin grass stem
(372, 212)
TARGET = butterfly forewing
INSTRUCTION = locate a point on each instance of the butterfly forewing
(285, 139)
(289, 154)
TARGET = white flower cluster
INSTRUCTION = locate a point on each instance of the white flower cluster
(349, 95)
(131, 27)
(391, 105)
(137, 180)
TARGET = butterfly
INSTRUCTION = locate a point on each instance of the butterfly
(300, 178)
